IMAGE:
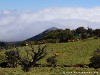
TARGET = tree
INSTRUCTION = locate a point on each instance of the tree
(68, 34)
(80, 30)
(2, 57)
(58, 35)
(90, 32)
(11, 58)
(97, 32)
(84, 35)
(23, 43)
(2, 45)
(35, 56)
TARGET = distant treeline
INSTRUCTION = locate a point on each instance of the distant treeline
(57, 36)
(60, 35)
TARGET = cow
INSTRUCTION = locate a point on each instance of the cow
(57, 54)
(73, 40)
(26, 44)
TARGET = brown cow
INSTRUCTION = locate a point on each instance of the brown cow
(73, 40)
(57, 54)
(69, 40)
(77, 39)
(26, 44)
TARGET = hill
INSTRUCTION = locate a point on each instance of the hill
(37, 37)
(71, 53)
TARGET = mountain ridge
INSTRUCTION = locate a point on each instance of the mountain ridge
(37, 37)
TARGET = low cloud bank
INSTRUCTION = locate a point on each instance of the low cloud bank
(18, 25)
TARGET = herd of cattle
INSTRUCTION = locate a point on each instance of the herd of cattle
(73, 40)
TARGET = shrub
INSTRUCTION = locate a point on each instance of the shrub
(3, 62)
(84, 35)
(97, 32)
(95, 60)
(52, 61)
(2, 57)
(25, 64)
(11, 58)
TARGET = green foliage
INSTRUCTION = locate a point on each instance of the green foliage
(84, 35)
(80, 30)
(60, 35)
(49, 71)
(52, 61)
(97, 32)
(90, 32)
(23, 43)
(11, 58)
(57, 36)
(42, 42)
(38, 55)
(95, 60)
(35, 57)
(25, 64)
(2, 57)
(76, 37)
(71, 53)
(52, 40)
(27, 43)
(10, 45)
(2, 45)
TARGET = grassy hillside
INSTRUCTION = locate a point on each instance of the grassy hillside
(46, 71)
(71, 53)
(74, 52)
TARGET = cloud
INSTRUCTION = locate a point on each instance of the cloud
(20, 25)
(92, 14)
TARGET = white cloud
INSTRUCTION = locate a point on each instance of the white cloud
(17, 25)
(67, 13)
(6, 20)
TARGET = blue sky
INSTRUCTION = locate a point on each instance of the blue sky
(42, 4)
(22, 19)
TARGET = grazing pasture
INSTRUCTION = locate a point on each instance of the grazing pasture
(76, 55)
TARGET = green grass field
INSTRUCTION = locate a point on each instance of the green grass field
(46, 71)
(71, 53)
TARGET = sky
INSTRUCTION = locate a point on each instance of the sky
(42, 4)
(22, 19)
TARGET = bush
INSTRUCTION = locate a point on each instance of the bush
(2, 57)
(84, 35)
(11, 58)
(97, 32)
(95, 60)
(3, 62)
(52, 61)
(25, 64)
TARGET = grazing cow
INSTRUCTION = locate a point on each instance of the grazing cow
(73, 40)
(77, 39)
(69, 40)
(26, 44)
(57, 54)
